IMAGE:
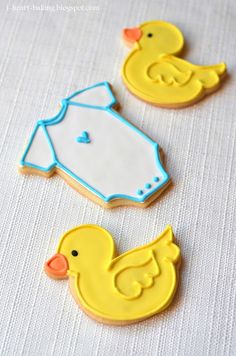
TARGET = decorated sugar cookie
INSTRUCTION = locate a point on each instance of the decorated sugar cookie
(97, 151)
(116, 290)
(154, 72)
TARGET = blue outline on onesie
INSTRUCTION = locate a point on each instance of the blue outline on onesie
(60, 116)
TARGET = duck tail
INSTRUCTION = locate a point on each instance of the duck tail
(209, 76)
(219, 69)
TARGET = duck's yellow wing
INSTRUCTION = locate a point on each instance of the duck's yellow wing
(170, 71)
(130, 280)
(140, 268)
(168, 74)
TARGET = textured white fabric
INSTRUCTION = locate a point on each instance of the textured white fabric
(45, 56)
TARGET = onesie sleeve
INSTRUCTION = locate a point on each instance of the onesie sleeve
(38, 153)
(99, 95)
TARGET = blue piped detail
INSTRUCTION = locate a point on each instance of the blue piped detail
(139, 192)
(60, 116)
(148, 186)
(84, 138)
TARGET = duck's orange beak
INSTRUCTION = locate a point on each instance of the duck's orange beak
(57, 266)
(131, 35)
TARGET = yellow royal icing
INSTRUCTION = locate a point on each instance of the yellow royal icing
(118, 290)
(154, 73)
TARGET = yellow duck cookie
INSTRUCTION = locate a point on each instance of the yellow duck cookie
(116, 290)
(155, 74)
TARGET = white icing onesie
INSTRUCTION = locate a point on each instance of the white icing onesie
(96, 147)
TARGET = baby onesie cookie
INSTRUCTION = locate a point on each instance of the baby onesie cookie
(97, 151)
(116, 289)
(154, 72)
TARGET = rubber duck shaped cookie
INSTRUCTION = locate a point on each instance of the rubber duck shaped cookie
(154, 72)
(116, 290)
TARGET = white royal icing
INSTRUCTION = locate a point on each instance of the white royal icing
(99, 148)
(40, 153)
(98, 96)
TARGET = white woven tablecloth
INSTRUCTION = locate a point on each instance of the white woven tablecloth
(46, 54)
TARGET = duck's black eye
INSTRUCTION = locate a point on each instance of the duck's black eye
(74, 253)
(149, 34)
